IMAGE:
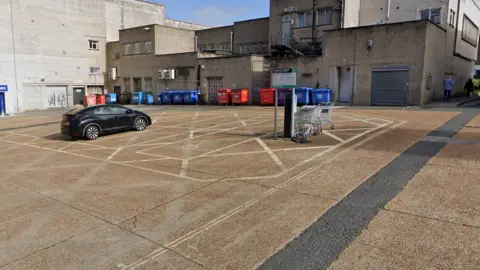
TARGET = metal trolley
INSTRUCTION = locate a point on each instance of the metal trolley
(310, 120)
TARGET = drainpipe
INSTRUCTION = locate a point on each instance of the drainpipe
(314, 19)
(231, 41)
(388, 9)
(14, 58)
(196, 43)
(342, 14)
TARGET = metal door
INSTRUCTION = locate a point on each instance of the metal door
(390, 86)
(286, 29)
(346, 84)
(214, 83)
(57, 96)
(78, 95)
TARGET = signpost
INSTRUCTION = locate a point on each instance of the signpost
(284, 78)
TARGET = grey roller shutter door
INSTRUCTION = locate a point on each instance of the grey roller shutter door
(390, 86)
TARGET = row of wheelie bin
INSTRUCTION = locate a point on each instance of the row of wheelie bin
(187, 97)
(304, 95)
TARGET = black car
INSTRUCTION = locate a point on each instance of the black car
(91, 122)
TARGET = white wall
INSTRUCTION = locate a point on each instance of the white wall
(351, 13)
(123, 14)
(472, 11)
(7, 70)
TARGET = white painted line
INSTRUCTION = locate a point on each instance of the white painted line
(187, 154)
(333, 136)
(66, 146)
(240, 208)
(271, 154)
(243, 123)
(349, 129)
(129, 142)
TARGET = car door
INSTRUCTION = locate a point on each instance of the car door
(103, 118)
(122, 118)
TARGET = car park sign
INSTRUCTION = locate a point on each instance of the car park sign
(284, 78)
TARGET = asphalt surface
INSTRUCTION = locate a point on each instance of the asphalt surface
(321, 244)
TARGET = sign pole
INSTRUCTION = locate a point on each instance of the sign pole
(294, 108)
(276, 108)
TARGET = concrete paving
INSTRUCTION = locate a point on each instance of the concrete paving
(210, 188)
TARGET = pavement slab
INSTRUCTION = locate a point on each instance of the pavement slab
(100, 248)
(248, 237)
(229, 197)
(171, 221)
(401, 241)
(30, 223)
(443, 193)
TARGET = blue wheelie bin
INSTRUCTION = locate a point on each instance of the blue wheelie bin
(190, 97)
(138, 97)
(158, 99)
(321, 95)
(111, 98)
(178, 97)
(167, 97)
(303, 95)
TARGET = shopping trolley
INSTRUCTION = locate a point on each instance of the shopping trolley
(310, 120)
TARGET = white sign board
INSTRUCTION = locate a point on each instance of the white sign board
(284, 78)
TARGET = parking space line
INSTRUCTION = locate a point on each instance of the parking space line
(221, 218)
(186, 155)
(333, 136)
(271, 154)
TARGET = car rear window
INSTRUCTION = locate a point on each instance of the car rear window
(79, 111)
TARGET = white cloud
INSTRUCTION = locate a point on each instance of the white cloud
(215, 16)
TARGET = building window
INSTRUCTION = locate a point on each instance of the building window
(264, 48)
(211, 47)
(433, 14)
(116, 55)
(138, 47)
(94, 71)
(148, 84)
(126, 84)
(225, 46)
(452, 18)
(127, 49)
(255, 48)
(305, 19)
(137, 84)
(148, 47)
(202, 48)
(324, 16)
(144, 47)
(183, 71)
(93, 45)
(469, 31)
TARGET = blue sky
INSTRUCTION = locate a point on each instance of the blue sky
(215, 12)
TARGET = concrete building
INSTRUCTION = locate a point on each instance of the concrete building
(459, 18)
(247, 37)
(207, 70)
(295, 29)
(53, 52)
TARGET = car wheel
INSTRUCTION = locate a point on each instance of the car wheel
(140, 124)
(92, 132)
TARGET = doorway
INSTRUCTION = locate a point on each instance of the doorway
(3, 111)
(346, 84)
(214, 83)
(286, 30)
(117, 90)
(78, 95)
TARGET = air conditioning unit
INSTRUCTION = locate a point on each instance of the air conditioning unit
(170, 74)
(112, 73)
(161, 74)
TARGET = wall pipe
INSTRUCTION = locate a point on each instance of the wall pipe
(388, 9)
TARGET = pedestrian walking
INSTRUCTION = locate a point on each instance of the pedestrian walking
(469, 87)
(448, 84)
